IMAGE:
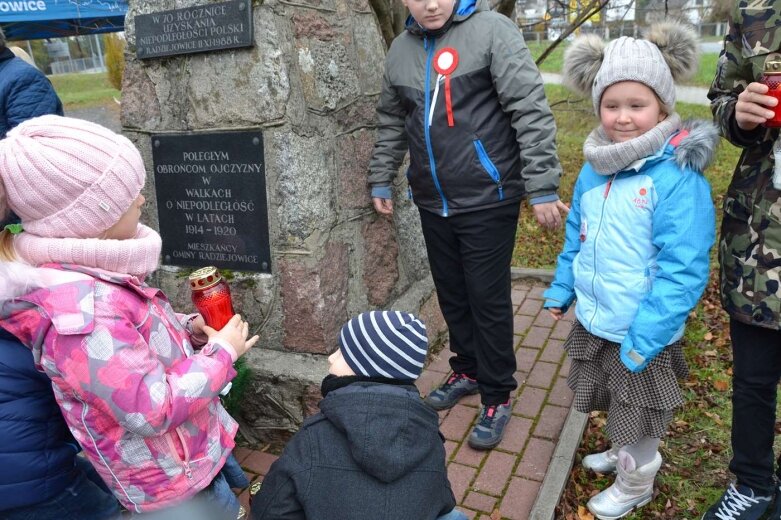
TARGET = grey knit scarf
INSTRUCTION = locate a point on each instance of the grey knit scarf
(607, 157)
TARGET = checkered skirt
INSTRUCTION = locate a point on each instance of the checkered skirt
(637, 405)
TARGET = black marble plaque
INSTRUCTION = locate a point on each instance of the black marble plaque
(209, 27)
(211, 200)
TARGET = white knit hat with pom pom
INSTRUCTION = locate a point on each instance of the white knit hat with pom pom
(668, 53)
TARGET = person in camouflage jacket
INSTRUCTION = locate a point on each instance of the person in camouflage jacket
(750, 254)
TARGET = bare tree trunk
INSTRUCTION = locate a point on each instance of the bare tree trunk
(391, 15)
(506, 7)
(382, 9)
(590, 10)
(399, 16)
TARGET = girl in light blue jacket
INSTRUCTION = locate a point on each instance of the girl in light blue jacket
(636, 250)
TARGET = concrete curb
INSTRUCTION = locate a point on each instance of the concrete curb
(560, 465)
(520, 273)
(564, 455)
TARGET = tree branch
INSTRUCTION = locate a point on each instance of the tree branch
(593, 8)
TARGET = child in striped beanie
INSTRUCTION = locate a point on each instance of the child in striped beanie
(374, 445)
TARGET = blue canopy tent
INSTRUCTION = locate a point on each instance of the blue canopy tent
(37, 19)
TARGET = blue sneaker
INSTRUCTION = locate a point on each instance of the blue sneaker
(447, 395)
(738, 503)
(489, 430)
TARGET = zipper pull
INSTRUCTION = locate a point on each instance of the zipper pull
(188, 471)
(609, 184)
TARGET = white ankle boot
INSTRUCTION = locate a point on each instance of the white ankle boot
(633, 488)
(604, 462)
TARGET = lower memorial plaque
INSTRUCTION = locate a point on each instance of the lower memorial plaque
(211, 200)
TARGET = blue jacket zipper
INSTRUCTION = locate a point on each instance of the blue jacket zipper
(429, 47)
(489, 167)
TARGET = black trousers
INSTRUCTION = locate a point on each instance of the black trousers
(756, 371)
(470, 257)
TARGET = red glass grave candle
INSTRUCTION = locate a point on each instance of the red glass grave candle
(772, 78)
(211, 296)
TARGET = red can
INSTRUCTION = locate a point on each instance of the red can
(211, 296)
(772, 78)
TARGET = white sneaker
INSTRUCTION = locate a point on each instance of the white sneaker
(633, 488)
(604, 462)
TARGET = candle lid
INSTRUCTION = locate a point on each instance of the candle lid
(204, 278)
(773, 67)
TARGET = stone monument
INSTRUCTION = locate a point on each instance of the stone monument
(305, 86)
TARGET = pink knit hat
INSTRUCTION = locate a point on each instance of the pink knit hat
(68, 178)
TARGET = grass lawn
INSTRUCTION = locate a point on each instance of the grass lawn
(696, 451)
(553, 63)
(84, 90)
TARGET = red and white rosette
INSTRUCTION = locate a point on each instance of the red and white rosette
(445, 63)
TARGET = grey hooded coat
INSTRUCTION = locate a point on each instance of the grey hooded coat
(495, 145)
(374, 452)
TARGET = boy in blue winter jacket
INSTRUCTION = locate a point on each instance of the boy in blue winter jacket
(636, 250)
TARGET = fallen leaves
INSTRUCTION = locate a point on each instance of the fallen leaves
(715, 417)
(722, 385)
(584, 514)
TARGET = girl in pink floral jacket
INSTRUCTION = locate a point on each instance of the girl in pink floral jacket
(136, 390)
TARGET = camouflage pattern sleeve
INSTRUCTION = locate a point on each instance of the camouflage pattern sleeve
(750, 240)
(733, 73)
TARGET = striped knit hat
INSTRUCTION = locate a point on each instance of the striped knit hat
(388, 344)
